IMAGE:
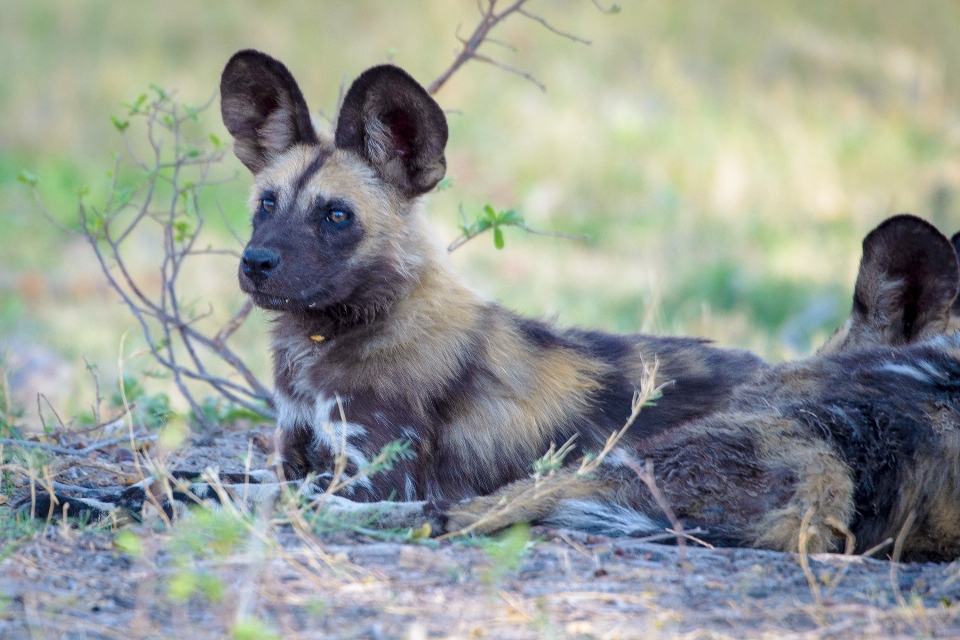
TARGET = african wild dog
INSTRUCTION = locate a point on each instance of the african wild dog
(370, 318)
(859, 437)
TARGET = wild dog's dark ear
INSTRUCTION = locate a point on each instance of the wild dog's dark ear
(955, 309)
(907, 282)
(262, 108)
(397, 127)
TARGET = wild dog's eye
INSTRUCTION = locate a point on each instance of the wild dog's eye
(267, 206)
(339, 217)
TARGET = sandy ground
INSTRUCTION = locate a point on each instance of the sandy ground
(68, 583)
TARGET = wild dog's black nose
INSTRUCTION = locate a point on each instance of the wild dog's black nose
(258, 263)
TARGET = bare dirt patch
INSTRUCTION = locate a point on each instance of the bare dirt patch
(77, 583)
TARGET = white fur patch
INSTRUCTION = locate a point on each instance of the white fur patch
(93, 503)
(382, 514)
(601, 518)
(921, 371)
(262, 475)
(292, 412)
(332, 432)
(409, 490)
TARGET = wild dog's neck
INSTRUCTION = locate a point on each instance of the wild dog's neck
(419, 338)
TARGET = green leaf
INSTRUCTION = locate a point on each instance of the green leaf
(253, 629)
(482, 224)
(511, 216)
(123, 196)
(129, 543)
(498, 237)
(182, 585)
(163, 95)
(183, 230)
(211, 587)
(489, 213)
(136, 105)
(445, 184)
(506, 554)
(121, 125)
(28, 178)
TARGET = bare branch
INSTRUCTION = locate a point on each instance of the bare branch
(170, 328)
(488, 20)
(646, 476)
(551, 28)
(73, 452)
(614, 8)
(505, 67)
(467, 237)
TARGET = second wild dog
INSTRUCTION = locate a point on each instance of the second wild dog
(860, 442)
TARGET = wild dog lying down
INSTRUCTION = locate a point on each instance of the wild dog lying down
(371, 320)
(854, 441)
(370, 314)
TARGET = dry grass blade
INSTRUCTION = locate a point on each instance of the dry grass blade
(646, 476)
(805, 564)
(910, 611)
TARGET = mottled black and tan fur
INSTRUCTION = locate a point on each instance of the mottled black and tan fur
(859, 436)
(368, 310)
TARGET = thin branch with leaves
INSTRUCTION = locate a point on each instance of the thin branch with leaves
(173, 173)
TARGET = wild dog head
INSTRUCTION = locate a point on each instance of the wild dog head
(334, 238)
(906, 288)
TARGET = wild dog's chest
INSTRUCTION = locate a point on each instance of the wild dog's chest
(335, 430)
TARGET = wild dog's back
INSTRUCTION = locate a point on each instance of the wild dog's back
(854, 440)
(849, 443)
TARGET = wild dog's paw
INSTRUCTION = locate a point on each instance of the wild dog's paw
(435, 515)
(794, 531)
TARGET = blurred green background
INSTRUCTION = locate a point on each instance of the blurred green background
(725, 158)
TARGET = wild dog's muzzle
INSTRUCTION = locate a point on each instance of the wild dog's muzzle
(258, 263)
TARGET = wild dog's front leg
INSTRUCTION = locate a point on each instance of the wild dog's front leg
(385, 514)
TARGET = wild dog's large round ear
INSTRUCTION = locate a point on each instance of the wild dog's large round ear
(955, 309)
(907, 282)
(396, 126)
(262, 108)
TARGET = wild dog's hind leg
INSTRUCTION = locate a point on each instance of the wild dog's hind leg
(525, 500)
(824, 488)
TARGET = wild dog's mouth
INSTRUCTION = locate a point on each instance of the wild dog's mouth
(281, 303)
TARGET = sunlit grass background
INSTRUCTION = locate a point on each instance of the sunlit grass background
(724, 158)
